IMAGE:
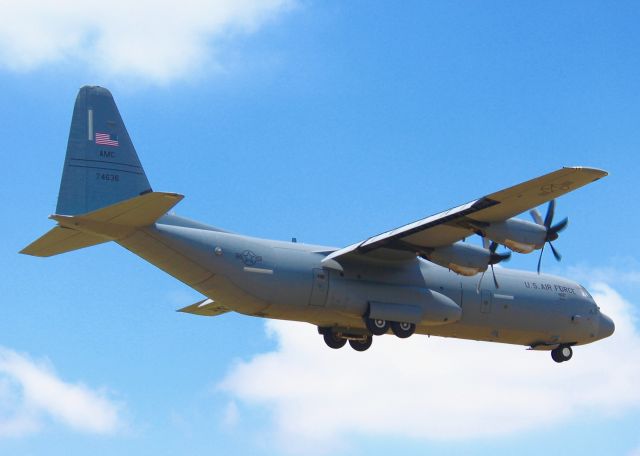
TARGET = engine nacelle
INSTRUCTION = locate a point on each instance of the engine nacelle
(465, 259)
(519, 235)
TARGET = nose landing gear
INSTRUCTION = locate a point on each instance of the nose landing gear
(562, 353)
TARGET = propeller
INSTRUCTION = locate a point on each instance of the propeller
(552, 230)
(494, 258)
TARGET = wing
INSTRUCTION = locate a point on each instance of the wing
(455, 224)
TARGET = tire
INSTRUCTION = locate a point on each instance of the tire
(565, 352)
(403, 330)
(361, 345)
(333, 341)
(377, 326)
(562, 353)
(556, 356)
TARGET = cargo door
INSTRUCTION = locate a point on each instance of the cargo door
(319, 288)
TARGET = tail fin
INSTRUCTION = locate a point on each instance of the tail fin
(104, 193)
(101, 167)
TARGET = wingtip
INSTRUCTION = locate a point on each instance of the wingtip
(587, 169)
(31, 252)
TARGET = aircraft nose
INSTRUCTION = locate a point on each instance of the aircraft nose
(606, 328)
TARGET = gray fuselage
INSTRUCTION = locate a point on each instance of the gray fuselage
(286, 280)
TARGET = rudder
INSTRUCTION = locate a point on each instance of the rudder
(101, 166)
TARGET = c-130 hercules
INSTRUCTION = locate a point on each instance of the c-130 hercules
(419, 278)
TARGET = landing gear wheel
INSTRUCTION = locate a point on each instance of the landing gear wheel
(377, 326)
(562, 353)
(403, 330)
(334, 341)
(361, 345)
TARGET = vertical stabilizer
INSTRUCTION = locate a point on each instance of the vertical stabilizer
(101, 167)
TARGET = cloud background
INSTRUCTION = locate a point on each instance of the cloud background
(435, 389)
(31, 394)
(156, 41)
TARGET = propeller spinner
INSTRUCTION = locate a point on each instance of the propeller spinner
(552, 230)
(494, 258)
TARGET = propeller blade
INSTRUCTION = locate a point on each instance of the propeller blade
(560, 226)
(540, 257)
(480, 281)
(535, 215)
(495, 281)
(555, 252)
(551, 209)
(496, 258)
(493, 247)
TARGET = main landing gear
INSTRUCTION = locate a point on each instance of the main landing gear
(361, 344)
(562, 353)
(378, 327)
(336, 339)
(333, 340)
(361, 340)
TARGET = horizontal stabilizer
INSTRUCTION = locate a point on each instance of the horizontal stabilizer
(139, 211)
(206, 308)
(112, 222)
(119, 219)
(61, 240)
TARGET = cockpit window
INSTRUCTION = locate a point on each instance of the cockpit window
(585, 293)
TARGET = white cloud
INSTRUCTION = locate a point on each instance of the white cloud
(30, 393)
(153, 39)
(434, 388)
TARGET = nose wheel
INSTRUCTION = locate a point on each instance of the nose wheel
(562, 353)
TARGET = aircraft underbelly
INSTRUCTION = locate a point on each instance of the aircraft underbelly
(188, 255)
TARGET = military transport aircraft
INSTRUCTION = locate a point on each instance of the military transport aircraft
(419, 278)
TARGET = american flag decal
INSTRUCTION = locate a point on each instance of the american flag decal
(107, 139)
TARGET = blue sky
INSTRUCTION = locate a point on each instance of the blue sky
(329, 122)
